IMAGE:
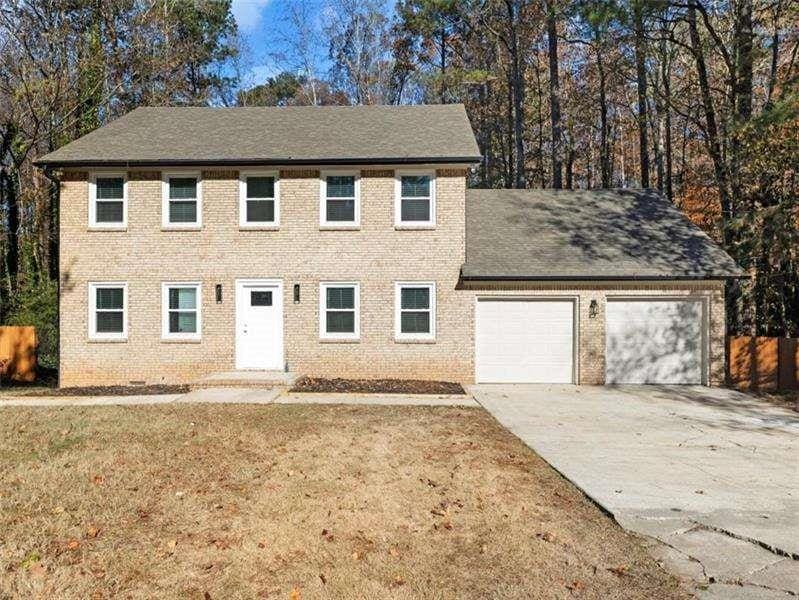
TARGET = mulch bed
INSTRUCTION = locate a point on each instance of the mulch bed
(376, 386)
(111, 390)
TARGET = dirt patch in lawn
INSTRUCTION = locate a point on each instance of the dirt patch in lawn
(376, 386)
(98, 390)
(298, 501)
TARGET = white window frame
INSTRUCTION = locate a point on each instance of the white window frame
(165, 222)
(398, 222)
(165, 333)
(323, 334)
(92, 303)
(243, 222)
(93, 200)
(398, 334)
(323, 222)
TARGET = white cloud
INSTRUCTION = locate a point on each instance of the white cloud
(248, 13)
(260, 73)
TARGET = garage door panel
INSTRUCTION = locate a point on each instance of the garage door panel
(524, 341)
(654, 341)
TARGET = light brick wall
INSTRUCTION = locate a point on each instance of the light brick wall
(591, 331)
(145, 256)
(377, 255)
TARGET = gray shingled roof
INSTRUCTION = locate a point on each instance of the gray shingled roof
(603, 234)
(276, 135)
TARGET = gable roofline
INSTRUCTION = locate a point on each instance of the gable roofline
(258, 136)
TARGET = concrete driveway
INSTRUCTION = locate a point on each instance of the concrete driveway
(712, 474)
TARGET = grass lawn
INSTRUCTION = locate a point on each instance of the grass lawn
(297, 501)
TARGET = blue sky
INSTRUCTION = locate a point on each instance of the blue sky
(265, 28)
(266, 31)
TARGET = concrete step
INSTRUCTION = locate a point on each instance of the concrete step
(245, 379)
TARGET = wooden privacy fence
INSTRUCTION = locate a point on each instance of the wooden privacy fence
(763, 363)
(17, 353)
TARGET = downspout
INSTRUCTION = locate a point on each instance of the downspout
(54, 176)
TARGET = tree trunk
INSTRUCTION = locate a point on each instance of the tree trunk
(665, 71)
(604, 151)
(517, 80)
(640, 70)
(554, 95)
(711, 127)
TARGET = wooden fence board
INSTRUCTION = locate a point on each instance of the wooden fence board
(763, 363)
(18, 353)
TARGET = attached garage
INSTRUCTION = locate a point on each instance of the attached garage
(524, 340)
(593, 287)
(655, 340)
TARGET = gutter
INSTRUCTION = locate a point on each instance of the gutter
(288, 161)
(709, 277)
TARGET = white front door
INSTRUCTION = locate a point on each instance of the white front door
(259, 324)
(524, 341)
(654, 341)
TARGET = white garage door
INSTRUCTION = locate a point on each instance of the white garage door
(654, 341)
(524, 341)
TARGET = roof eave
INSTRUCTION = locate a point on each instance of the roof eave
(405, 160)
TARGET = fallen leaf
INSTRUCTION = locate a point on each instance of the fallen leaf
(547, 536)
(295, 594)
(73, 545)
(621, 570)
(575, 586)
(92, 532)
(398, 581)
(98, 480)
(393, 551)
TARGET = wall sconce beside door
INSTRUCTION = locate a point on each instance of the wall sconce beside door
(593, 309)
(218, 293)
(296, 293)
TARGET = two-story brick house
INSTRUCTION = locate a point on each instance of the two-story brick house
(342, 241)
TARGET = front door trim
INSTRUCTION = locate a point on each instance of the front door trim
(241, 284)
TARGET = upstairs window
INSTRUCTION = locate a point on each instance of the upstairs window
(415, 205)
(259, 200)
(415, 314)
(108, 307)
(108, 201)
(181, 311)
(340, 206)
(339, 308)
(182, 205)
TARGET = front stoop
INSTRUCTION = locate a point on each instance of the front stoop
(245, 379)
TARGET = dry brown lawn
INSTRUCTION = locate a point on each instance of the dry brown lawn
(277, 501)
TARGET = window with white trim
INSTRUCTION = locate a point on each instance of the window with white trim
(415, 204)
(339, 311)
(181, 318)
(108, 311)
(340, 200)
(259, 203)
(182, 200)
(415, 311)
(108, 200)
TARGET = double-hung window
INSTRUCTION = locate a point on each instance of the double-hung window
(108, 311)
(182, 201)
(415, 204)
(339, 311)
(415, 311)
(108, 201)
(340, 200)
(258, 200)
(181, 319)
